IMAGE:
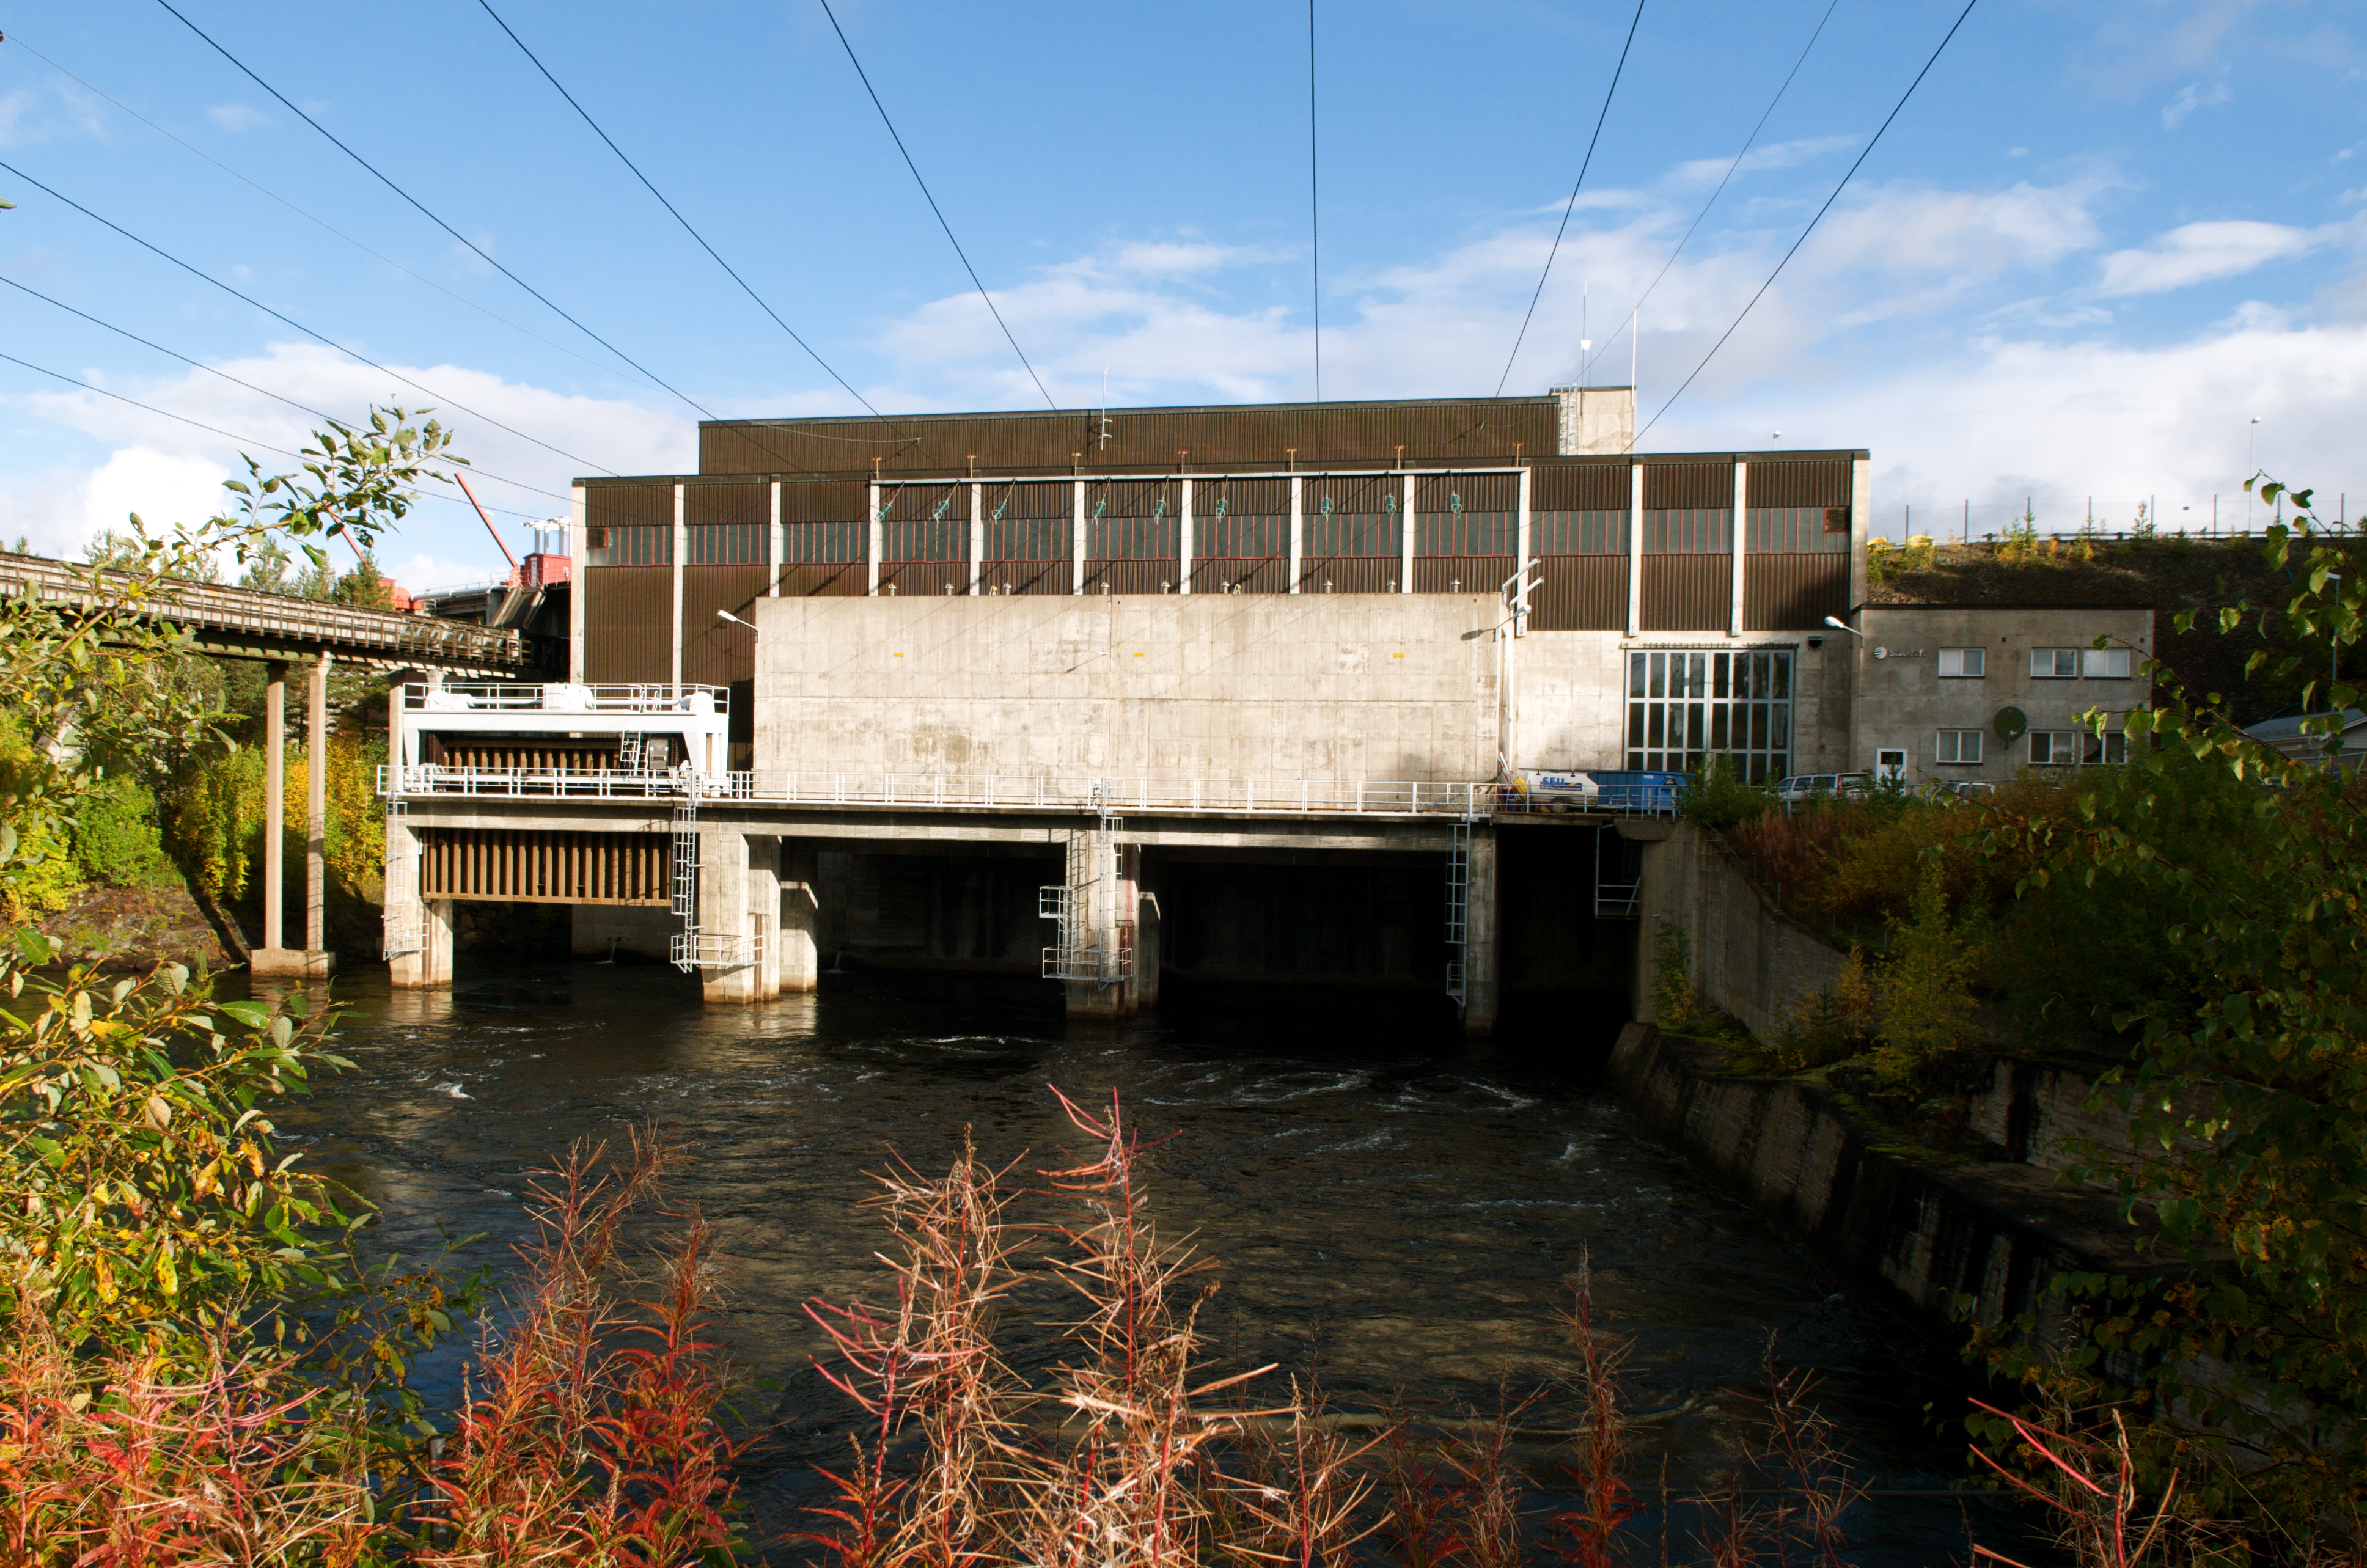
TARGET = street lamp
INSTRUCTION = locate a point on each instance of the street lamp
(727, 616)
(1838, 624)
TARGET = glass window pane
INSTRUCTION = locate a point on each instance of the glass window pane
(1719, 675)
(1659, 687)
(1634, 674)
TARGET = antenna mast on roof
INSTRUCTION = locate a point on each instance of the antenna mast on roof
(1104, 423)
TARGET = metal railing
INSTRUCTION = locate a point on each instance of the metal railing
(205, 606)
(558, 696)
(1310, 797)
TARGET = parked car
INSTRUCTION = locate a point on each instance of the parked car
(1972, 789)
(1802, 786)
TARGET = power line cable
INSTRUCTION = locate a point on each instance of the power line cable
(1731, 169)
(1314, 204)
(932, 200)
(1571, 204)
(431, 217)
(297, 325)
(238, 381)
(321, 224)
(1818, 218)
(677, 213)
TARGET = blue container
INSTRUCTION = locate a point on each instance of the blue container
(1630, 790)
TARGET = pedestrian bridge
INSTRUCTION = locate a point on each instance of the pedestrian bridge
(246, 623)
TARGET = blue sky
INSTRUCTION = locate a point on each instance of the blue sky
(2103, 237)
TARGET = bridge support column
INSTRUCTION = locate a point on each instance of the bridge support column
(275, 957)
(1481, 954)
(1100, 878)
(412, 925)
(726, 923)
(800, 904)
(765, 916)
(1147, 921)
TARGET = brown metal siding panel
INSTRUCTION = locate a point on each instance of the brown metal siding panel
(1246, 574)
(1817, 481)
(1474, 574)
(1687, 593)
(627, 622)
(1348, 574)
(707, 503)
(1469, 431)
(1671, 487)
(1025, 576)
(1581, 485)
(714, 651)
(824, 580)
(1103, 575)
(516, 865)
(1581, 593)
(1793, 592)
(628, 504)
(935, 578)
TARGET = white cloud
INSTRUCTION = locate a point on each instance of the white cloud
(171, 472)
(2198, 252)
(2193, 95)
(236, 116)
(1775, 156)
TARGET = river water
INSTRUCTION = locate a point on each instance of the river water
(1388, 1210)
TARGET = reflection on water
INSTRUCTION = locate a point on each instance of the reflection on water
(1386, 1210)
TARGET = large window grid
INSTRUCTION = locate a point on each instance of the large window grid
(1684, 706)
(1688, 531)
(1577, 533)
(1458, 532)
(727, 544)
(1224, 534)
(634, 546)
(822, 543)
(1354, 517)
(1028, 522)
(1133, 522)
(926, 524)
(1797, 530)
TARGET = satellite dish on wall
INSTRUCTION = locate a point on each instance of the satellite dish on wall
(2010, 724)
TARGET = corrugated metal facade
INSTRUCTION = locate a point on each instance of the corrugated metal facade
(714, 651)
(508, 865)
(1688, 594)
(1799, 481)
(1470, 430)
(1348, 574)
(632, 608)
(1793, 592)
(1243, 574)
(1462, 574)
(1685, 484)
(1131, 576)
(931, 577)
(1580, 593)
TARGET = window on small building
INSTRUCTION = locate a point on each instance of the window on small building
(2053, 748)
(1964, 663)
(2104, 663)
(2054, 663)
(1958, 745)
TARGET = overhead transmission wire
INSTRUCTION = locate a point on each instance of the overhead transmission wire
(677, 213)
(289, 320)
(319, 223)
(421, 209)
(1731, 169)
(1571, 204)
(240, 381)
(1811, 229)
(884, 120)
(1314, 205)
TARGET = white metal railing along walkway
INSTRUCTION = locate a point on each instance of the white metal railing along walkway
(1303, 798)
(210, 608)
(559, 697)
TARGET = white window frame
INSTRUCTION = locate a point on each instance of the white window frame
(2054, 663)
(2062, 747)
(1941, 748)
(2104, 663)
(1976, 659)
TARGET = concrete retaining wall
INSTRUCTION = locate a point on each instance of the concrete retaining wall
(1747, 960)
(1927, 1230)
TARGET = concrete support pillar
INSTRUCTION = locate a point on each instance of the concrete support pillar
(1076, 539)
(977, 550)
(725, 917)
(1095, 902)
(871, 542)
(1297, 530)
(1635, 548)
(432, 965)
(1184, 539)
(579, 551)
(1126, 926)
(407, 919)
(1147, 921)
(681, 538)
(1481, 958)
(772, 551)
(1405, 535)
(275, 805)
(801, 920)
(1738, 543)
(316, 808)
(764, 914)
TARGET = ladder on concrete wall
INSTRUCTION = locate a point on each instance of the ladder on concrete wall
(1078, 952)
(1459, 907)
(629, 751)
(685, 881)
(404, 931)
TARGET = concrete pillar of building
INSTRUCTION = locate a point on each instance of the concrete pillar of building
(275, 805)
(1147, 922)
(1095, 905)
(434, 960)
(724, 917)
(1126, 925)
(800, 900)
(406, 916)
(764, 914)
(316, 808)
(1481, 950)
